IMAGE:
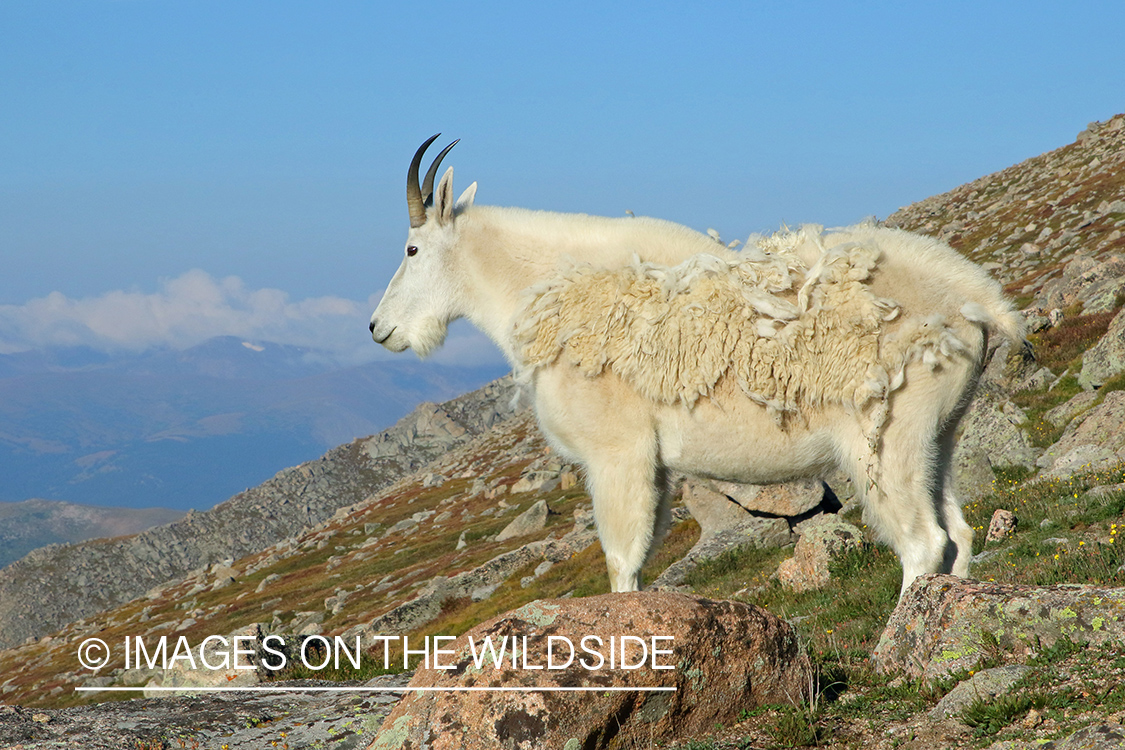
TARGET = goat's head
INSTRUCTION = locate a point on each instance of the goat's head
(421, 299)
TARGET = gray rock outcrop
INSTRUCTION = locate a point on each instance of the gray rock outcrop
(712, 510)
(1107, 358)
(246, 721)
(983, 685)
(1094, 440)
(939, 626)
(754, 531)
(531, 520)
(477, 583)
(990, 436)
(790, 499)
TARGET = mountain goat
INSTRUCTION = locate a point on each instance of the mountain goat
(653, 348)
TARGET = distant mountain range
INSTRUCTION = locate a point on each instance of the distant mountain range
(36, 523)
(188, 429)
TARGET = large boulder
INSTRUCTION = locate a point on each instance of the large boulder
(1093, 441)
(991, 438)
(945, 624)
(719, 659)
(531, 520)
(1094, 283)
(1106, 358)
(789, 499)
(712, 510)
(719, 506)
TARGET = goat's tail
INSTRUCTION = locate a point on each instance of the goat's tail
(998, 317)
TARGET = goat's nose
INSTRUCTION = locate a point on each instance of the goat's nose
(371, 327)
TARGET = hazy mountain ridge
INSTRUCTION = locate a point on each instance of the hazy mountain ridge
(35, 523)
(190, 428)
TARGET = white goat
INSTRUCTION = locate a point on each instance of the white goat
(653, 348)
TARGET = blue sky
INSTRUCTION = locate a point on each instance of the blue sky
(150, 151)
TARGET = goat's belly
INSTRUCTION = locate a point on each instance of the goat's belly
(743, 445)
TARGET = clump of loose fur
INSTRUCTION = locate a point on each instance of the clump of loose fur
(791, 334)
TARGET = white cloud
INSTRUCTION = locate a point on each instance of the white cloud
(194, 307)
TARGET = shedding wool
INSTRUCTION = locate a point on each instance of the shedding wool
(792, 335)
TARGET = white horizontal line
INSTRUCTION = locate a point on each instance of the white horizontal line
(250, 689)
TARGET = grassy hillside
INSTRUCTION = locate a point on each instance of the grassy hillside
(1038, 226)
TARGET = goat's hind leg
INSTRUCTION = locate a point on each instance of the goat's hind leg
(959, 553)
(904, 500)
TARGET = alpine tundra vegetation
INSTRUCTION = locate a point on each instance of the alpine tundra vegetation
(400, 533)
(652, 349)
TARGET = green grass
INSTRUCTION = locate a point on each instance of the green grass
(1054, 509)
(840, 624)
(1116, 383)
(796, 726)
(1036, 404)
(734, 570)
(1060, 347)
(1058, 651)
(987, 716)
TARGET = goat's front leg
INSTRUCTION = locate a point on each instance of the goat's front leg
(607, 427)
(626, 495)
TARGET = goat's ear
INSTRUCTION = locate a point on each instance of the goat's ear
(443, 198)
(466, 198)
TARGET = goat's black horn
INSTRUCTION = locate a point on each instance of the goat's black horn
(428, 183)
(414, 201)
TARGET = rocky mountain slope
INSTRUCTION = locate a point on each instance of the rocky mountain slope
(1043, 225)
(482, 519)
(59, 583)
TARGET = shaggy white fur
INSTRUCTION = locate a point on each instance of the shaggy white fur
(793, 335)
(658, 350)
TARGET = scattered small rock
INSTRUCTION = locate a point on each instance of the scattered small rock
(981, 686)
(822, 539)
(531, 520)
(1003, 523)
(433, 480)
(536, 481)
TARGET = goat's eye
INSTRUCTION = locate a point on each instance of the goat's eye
(411, 250)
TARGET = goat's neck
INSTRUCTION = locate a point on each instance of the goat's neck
(503, 251)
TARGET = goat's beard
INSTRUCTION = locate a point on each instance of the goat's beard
(428, 336)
